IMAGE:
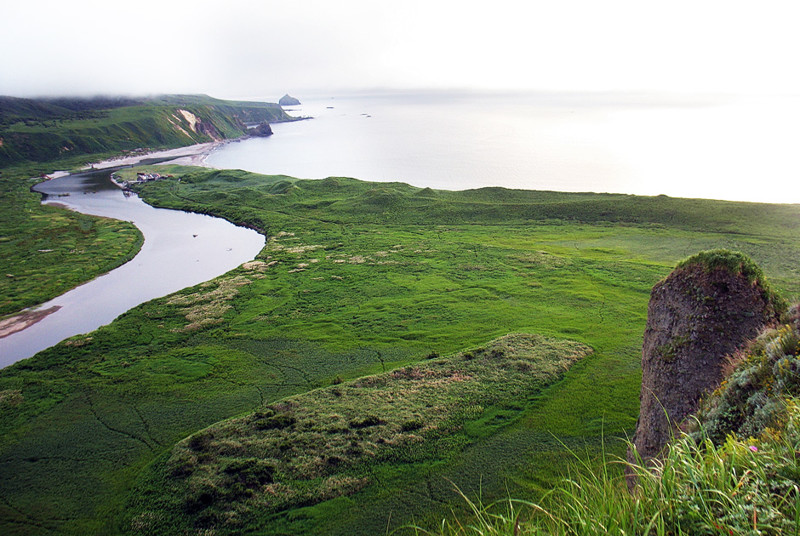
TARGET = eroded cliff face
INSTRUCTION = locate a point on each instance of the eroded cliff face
(697, 316)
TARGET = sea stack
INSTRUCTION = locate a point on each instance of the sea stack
(288, 100)
(705, 310)
(261, 130)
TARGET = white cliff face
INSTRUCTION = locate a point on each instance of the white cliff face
(190, 118)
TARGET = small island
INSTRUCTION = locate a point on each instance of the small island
(288, 100)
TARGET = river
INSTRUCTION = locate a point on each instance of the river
(180, 249)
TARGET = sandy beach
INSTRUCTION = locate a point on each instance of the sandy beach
(192, 155)
(23, 320)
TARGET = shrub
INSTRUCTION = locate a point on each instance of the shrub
(751, 400)
(740, 487)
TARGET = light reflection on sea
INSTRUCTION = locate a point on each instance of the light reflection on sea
(732, 148)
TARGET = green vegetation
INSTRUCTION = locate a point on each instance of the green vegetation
(738, 264)
(46, 130)
(357, 279)
(45, 251)
(315, 446)
(753, 398)
(738, 473)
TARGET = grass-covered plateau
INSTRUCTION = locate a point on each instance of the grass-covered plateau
(358, 279)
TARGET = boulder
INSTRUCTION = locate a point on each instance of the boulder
(707, 308)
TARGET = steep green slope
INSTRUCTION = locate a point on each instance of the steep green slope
(360, 278)
(41, 131)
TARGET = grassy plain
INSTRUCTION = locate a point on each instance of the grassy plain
(361, 278)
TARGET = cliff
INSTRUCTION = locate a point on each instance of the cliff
(704, 311)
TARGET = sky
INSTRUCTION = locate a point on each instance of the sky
(257, 49)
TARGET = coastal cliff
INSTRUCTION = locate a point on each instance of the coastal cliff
(43, 130)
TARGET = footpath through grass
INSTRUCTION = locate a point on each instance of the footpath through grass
(361, 278)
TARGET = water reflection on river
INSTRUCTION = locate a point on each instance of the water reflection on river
(180, 250)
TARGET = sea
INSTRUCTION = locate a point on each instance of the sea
(740, 148)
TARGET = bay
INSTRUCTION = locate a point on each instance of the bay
(705, 146)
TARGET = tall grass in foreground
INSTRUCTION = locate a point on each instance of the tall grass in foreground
(738, 488)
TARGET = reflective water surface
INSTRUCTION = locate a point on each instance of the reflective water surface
(180, 250)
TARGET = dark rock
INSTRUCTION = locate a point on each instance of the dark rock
(262, 130)
(288, 100)
(707, 308)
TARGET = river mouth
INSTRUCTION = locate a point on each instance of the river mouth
(180, 249)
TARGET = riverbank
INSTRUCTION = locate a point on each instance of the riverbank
(46, 251)
(178, 249)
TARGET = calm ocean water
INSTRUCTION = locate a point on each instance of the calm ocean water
(735, 148)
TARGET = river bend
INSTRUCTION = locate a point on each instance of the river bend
(180, 249)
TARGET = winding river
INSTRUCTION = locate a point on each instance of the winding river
(180, 249)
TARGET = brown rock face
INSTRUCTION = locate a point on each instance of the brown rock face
(696, 317)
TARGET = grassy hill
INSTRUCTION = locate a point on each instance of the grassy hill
(46, 130)
(342, 439)
(359, 279)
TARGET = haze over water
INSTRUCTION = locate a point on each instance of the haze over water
(733, 148)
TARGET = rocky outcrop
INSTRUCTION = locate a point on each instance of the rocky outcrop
(288, 100)
(707, 308)
(262, 130)
(209, 129)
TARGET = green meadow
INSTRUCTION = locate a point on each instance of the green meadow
(160, 419)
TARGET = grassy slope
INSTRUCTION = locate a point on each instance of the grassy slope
(399, 272)
(737, 471)
(38, 132)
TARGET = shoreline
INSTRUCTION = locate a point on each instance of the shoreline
(191, 155)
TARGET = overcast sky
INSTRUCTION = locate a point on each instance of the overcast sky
(259, 49)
